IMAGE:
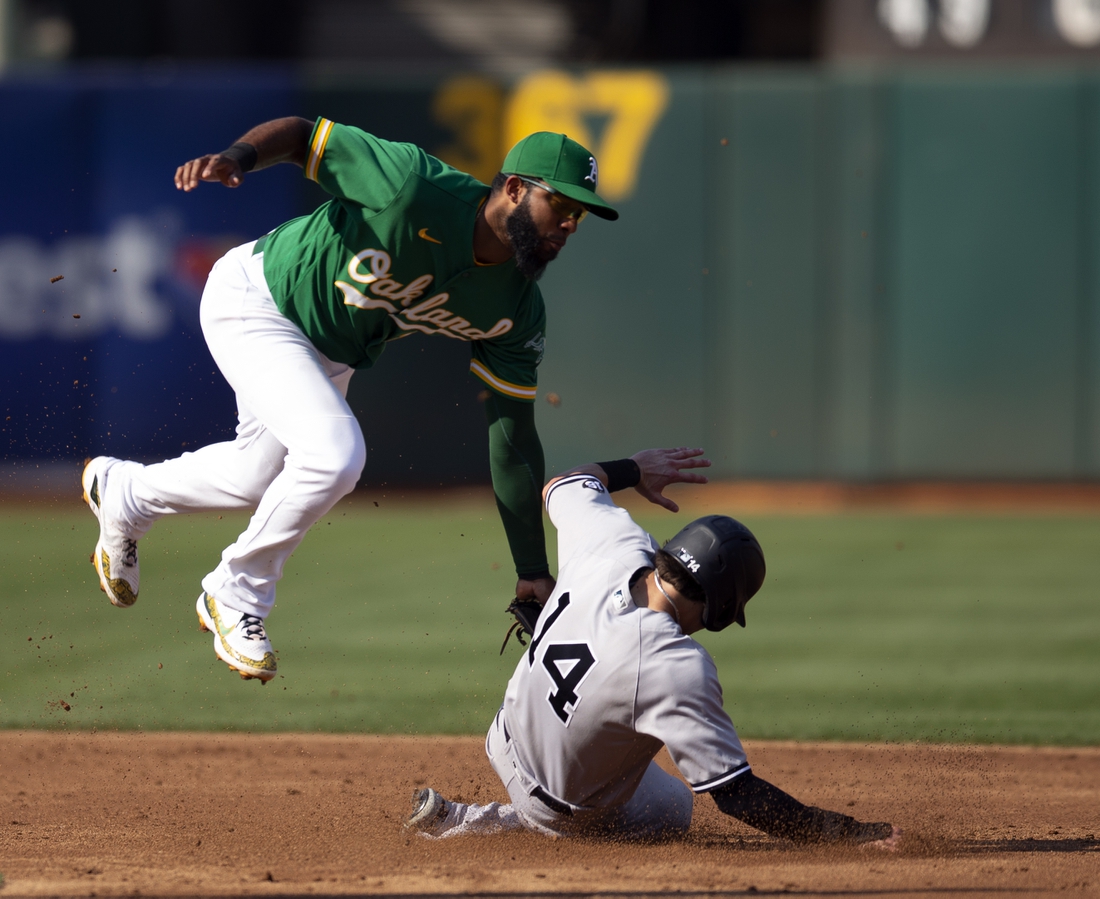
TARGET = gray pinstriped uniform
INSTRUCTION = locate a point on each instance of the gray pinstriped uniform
(604, 684)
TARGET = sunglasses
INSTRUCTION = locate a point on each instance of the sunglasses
(559, 202)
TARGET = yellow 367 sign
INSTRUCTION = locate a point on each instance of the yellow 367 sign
(611, 112)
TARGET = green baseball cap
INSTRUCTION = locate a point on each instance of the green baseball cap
(563, 164)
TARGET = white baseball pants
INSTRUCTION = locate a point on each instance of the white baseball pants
(298, 448)
(661, 807)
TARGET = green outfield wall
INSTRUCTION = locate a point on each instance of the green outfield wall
(854, 274)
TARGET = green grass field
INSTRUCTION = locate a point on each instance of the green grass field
(869, 627)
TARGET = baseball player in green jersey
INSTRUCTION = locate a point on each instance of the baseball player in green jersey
(611, 675)
(407, 245)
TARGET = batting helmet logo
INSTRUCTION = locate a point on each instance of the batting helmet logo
(688, 559)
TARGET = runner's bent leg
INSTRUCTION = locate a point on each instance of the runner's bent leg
(660, 807)
(531, 813)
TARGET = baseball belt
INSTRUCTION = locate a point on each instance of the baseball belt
(555, 805)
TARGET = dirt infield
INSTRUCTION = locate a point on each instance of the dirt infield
(113, 814)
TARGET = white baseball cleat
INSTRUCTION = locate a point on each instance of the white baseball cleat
(429, 810)
(115, 557)
(239, 640)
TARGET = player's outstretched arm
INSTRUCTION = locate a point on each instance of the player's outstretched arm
(764, 806)
(649, 472)
(280, 140)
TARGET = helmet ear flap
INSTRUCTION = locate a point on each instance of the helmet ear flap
(750, 575)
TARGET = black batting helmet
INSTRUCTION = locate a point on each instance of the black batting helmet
(727, 561)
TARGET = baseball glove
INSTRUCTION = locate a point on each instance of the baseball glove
(526, 613)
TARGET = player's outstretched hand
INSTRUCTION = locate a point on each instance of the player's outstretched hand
(661, 467)
(213, 167)
(888, 844)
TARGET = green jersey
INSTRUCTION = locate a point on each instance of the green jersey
(392, 255)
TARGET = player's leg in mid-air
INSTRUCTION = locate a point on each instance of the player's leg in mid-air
(298, 450)
(128, 497)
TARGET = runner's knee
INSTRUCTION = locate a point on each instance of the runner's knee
(680, 808)
(661, 807)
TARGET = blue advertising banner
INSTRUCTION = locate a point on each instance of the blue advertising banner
(102, 260)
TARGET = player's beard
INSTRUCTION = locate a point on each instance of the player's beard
(523, 234)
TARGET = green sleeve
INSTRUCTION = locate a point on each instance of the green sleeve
(353, 165)
(518, 470)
